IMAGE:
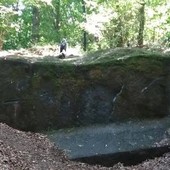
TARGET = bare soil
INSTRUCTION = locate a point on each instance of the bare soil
(32, 151)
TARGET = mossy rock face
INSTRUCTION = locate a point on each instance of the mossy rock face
(103, 87)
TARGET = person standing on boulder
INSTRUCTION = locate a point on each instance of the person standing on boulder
(63, 47)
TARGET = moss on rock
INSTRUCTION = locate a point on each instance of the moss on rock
(106, 86)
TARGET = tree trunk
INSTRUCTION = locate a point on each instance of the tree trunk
(1, 44)
(118, 31)
(84, 32)
(2, 37)
(57, 18)
(141, 24)
(35, 24)
(120, 41)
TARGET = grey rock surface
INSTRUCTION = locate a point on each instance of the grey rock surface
(111, 138)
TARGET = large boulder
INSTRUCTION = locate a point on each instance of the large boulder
(108, 86)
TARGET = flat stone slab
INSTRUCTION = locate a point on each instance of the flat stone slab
(111, 138)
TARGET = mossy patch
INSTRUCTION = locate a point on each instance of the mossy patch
(53, 91)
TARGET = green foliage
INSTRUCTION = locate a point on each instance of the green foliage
(107, 23)
(6, 24)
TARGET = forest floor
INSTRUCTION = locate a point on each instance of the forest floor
(40, 52)
(26, 150)
(52, 52)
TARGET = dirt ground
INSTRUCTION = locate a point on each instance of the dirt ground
(32, 151)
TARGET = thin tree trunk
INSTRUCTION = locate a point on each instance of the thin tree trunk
(35, 24)
(57, 18)
(1, 44)
(120, 36)
(84, 32)
(141, 24)
(1, 39)
(153, 35)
